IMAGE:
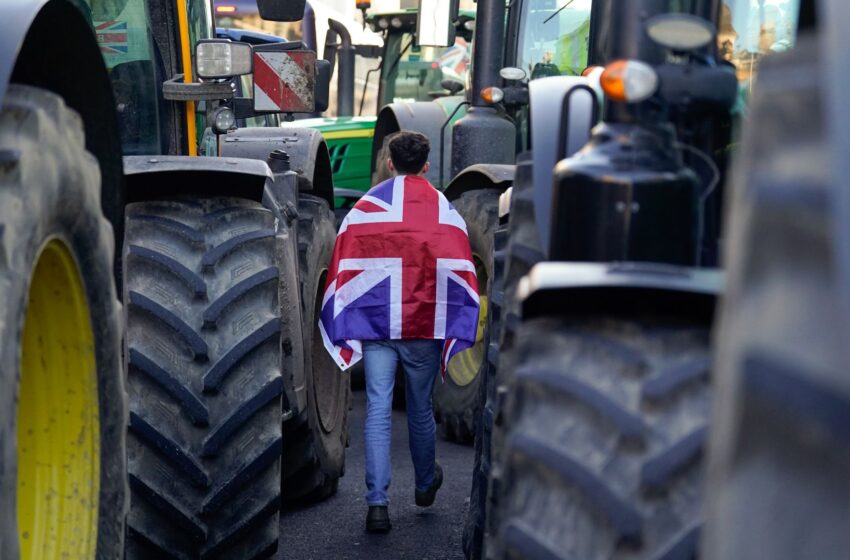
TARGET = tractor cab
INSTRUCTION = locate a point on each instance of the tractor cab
(179, 86)
(410, 72)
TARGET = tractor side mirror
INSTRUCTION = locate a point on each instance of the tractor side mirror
(438, 29)
(681, 32)
(453, 86)
(281, 10)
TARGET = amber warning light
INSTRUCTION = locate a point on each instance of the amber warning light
(225, 9)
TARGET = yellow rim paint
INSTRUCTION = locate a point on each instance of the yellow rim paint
(186, 55)
(464, 367)
(349, 134)
(58, 426)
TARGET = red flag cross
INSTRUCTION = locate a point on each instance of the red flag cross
(420, 241)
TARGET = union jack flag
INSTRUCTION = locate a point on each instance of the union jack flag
(112, 37)
(401, 269)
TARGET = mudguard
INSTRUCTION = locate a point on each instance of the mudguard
(14, 25)
(157, 177)
(481, 176)
(308, 154)
(553, 139)
(560, 288)
(427, 117)
(32, 34)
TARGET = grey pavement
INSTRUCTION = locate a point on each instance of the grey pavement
(335, 529)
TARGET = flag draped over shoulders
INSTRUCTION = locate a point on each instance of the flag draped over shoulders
(401, 269)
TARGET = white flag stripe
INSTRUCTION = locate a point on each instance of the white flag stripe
(449, 215)
(394, 212)
(372, 272)
(445, 270)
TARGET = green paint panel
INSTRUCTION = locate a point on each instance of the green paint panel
(351, 161)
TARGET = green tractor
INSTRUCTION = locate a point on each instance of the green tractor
(233, 405)
(406, 73)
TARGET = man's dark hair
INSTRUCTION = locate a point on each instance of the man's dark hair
(409, 151)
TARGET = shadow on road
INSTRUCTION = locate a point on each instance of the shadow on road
(334, 529)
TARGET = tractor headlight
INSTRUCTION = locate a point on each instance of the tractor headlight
(224, 119)
(222, 58)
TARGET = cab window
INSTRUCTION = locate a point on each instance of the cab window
(123, 33)
(553, 38)
(751, 29)
(414, 73)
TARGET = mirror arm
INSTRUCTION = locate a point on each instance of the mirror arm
(177, 90)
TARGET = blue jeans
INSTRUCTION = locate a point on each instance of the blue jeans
(421, 361)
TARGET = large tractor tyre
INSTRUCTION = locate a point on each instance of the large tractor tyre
(204, 358)
(316, 438)
(779, 454)
(473, 530)
(607, 419)
(63, 406)
(523, 250)
(457, 402)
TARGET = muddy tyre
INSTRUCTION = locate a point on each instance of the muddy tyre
(473, 531)
(316, 437)
(607, 419)
(457, 402)
(518, 249)
(779, 456)
(63, 404)
(204, 359)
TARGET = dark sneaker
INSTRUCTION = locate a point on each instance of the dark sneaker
(426, 498)
(378, 520)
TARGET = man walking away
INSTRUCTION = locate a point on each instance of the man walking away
(401, 289)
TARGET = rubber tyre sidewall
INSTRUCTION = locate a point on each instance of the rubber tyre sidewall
(61, 201)
(329, 447)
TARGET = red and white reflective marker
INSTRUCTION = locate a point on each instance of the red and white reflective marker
(284, 81)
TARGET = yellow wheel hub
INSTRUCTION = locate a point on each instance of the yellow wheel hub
(58, 427)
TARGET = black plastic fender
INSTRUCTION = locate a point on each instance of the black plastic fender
(554, 138)
(426, 117)
(481, 176)
(308, 154)
(560, 288)
(32, 33)
(157, 177)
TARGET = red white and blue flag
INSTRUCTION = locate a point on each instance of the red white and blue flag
(401, 269)
(112, 37)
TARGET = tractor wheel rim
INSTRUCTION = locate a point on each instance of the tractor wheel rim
(58, 426)
(464, 367)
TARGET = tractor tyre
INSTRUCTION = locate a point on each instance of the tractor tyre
(203, 351)
(63, 405)
(457, 401)
(316, 437)
(523, 250)
(473, 530)
(779, 455)
(606, 423)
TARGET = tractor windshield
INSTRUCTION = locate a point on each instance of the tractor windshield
(751, 29)
(553, 37)
(412, 73)
(123, 33)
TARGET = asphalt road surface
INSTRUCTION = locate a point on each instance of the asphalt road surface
(335, 529)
